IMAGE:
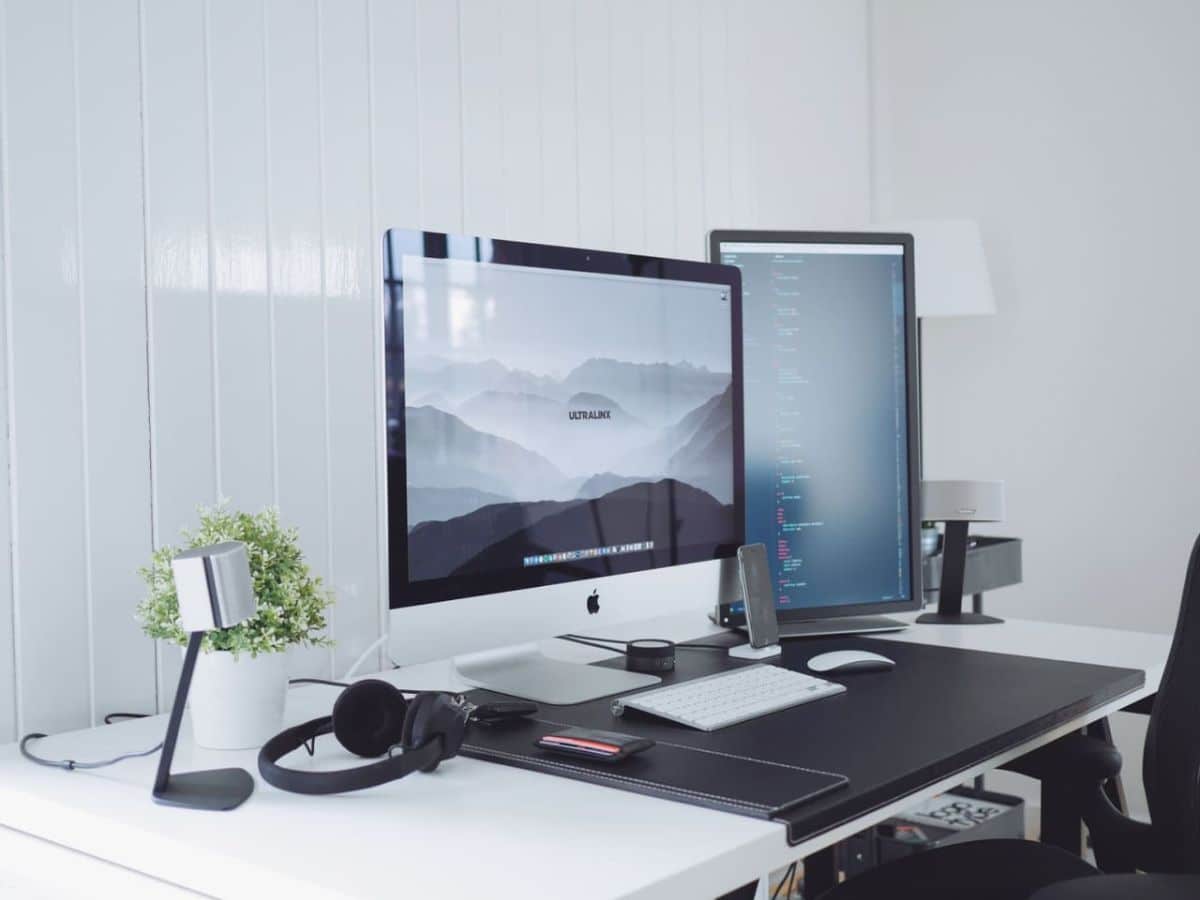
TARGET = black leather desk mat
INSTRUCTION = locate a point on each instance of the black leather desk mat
(940, 711)
(702, 777)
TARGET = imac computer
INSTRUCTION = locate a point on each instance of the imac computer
(831, 437)
(563, 444)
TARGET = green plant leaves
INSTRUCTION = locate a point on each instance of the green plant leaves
(291, 600)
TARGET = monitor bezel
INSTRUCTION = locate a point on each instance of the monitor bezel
(912, 400)
(436, 245)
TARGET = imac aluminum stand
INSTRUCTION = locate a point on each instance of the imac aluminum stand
(524, 671)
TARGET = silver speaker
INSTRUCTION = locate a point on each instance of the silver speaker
(962, 501)
(214, 586)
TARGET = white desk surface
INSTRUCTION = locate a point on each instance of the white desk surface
(472, 828)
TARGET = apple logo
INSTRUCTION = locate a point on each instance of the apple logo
(593, 603)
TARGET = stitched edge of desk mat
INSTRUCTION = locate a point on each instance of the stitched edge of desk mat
(816, 783)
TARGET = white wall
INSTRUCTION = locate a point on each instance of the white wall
(191, 197)
(1071, 130)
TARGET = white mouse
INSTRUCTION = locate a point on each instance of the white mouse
(850, 661)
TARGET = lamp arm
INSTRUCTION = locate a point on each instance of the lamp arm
(181, 692)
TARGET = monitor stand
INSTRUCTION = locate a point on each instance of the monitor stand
(524, 671)
(849, 625)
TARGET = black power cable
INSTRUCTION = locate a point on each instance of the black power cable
(108, 719)
(71, 764)
(585, 639)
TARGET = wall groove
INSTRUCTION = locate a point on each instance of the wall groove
(12, 614)
(88, 586)
(209, 177)
(331, 563)
(152, 462)
(269, 252)
(376, 292)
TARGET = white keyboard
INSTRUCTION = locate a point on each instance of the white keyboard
(727, 698)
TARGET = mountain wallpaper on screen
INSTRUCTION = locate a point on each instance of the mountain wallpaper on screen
(502, 463)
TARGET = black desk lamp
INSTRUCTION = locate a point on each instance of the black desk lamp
(958, 504)
(215, 591)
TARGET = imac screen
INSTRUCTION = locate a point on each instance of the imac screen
(554, 415)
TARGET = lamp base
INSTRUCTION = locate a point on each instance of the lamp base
(960, 618)
(215, 789)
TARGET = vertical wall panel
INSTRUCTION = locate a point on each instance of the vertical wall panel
(560, 148)
(521, 102)
(482, 118)
(397, 154)
(114, 338)
(244, 353)
(593, 115)
(628, 151)
(295, 265)
(740, 58)
(178, 259)
(658, 140)
(688, 130)
(714, 89)
(47, 382)
(396, 172)
(350, 311)
(8, 711)
(438, 126)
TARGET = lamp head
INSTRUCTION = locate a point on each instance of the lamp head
(214, 587)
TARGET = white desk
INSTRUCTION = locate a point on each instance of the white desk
(470, 829)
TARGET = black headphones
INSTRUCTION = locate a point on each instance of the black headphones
(372, 718)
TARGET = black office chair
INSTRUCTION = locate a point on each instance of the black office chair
(1080, 766)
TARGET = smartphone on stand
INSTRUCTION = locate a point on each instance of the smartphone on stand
(759, 596)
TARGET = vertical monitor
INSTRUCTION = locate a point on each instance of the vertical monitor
(555, 414)
(830, 418)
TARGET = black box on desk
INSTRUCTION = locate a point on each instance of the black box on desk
(962, 814)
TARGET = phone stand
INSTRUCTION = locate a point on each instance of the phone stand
(745, 651)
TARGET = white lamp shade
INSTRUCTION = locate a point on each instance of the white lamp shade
(951, 273)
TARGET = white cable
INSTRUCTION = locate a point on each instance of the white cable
(358, 663)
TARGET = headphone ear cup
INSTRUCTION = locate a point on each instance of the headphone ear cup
(369, 717)
(434, 716)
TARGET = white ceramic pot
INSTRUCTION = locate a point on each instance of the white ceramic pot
(236, 704)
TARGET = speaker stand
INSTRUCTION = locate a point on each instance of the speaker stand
(950, 594)
(212, 789)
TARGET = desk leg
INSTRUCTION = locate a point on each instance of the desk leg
(820, 872)
(1114, 787)
(977, 607)
(1061, 824)
(1107, 855)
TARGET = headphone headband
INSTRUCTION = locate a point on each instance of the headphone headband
(371, 719)
(340, 780)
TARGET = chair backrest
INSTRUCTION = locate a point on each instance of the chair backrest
(1171, 766)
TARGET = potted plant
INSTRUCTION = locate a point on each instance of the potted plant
(240, 683)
